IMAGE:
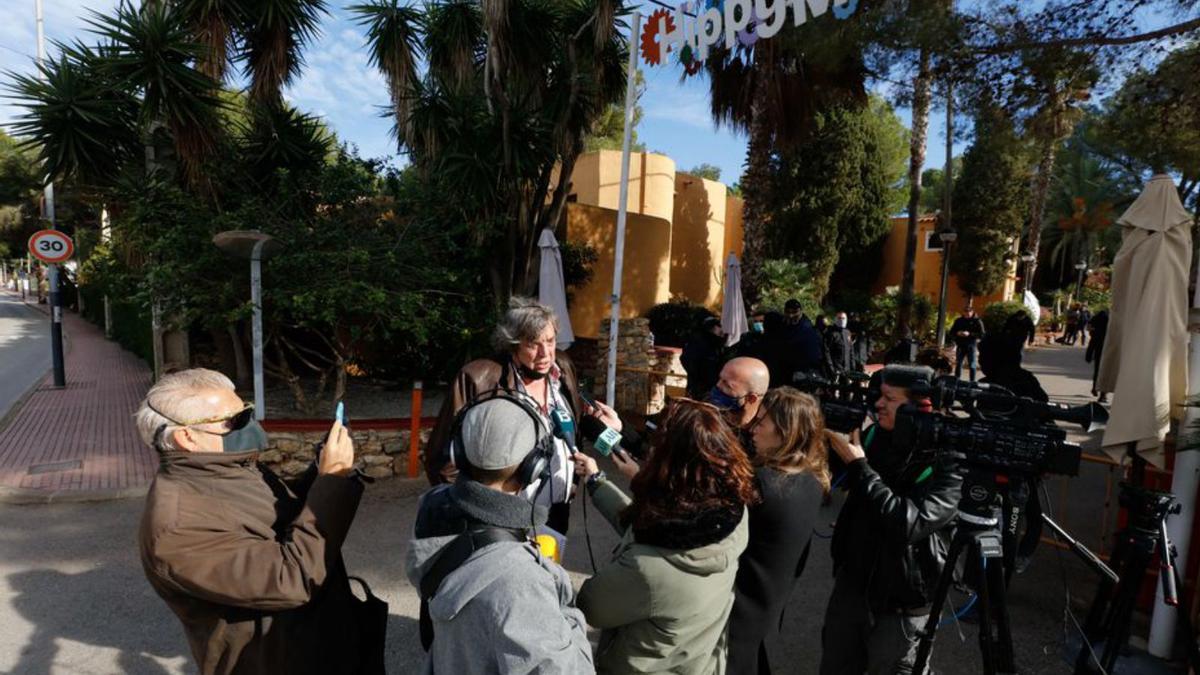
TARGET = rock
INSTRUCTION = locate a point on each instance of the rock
(378, 471)
(375, 460)
(270, 457)
(292, 468)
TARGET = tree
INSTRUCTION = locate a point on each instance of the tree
(506, 99)
(933, 186)
(608, 131)
(830, 195)
(989, 201)
(705, 170)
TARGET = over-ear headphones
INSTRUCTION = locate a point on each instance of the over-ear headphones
(537, 462)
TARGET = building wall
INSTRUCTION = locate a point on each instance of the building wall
(698, 234)
(596, 181)
(928, 278)
(646, 269)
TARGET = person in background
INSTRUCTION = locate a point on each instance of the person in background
(967, 331)
(839, 348)
(1085, 318)
(1099, 327)
(738, 394)
(247, 561)
(663, 603)
(1020, 327)
(703, 356)
(822, 325)
(791, 469)
(803, 340)
(862, 341)
(511, 605)
(1069, 334)
(890, 541)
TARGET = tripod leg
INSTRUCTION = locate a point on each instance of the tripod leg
(1005, 661)
(925, 644)
(986, 638)
(1123, 605)
(1184, 625)
(1101, 613)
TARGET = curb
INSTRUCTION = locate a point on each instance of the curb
(17, 405)
(23, 497)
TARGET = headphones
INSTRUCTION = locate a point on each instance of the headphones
(536, 464)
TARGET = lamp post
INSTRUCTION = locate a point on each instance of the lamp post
(1081, 266)
(947, 236)
(257, 247)
(1026, 260)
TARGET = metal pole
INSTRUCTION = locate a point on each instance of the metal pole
(622, 213)
(949, 182)
(260, 404)
(56, 344)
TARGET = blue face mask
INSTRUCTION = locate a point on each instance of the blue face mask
(757, 327)
(724, 401)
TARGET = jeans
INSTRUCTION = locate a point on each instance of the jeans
(969, 352)
(856, 640)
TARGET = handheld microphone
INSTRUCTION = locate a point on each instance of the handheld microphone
(606, 439)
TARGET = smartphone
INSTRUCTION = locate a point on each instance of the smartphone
(587, 399)
(339, 413)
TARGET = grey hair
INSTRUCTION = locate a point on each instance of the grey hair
(525, 319)
(177, 395)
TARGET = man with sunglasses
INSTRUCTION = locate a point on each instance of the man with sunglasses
(250, 564)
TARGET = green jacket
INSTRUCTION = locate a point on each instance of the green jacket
(661, 610)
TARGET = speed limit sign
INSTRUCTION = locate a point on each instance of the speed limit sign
(51, 246)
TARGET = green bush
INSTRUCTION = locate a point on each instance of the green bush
(995, 314)
(674, 322)
(130, 323)
(783, 280)
(880, 317)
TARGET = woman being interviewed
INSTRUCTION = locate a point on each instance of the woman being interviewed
(663, 603)
(792, 470)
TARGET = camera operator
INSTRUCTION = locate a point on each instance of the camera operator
(890, 541)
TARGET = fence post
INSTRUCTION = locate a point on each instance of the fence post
(414, 439)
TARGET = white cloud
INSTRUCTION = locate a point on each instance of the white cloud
(683, 106)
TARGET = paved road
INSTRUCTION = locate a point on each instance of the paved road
(73, 599)
(24, 348)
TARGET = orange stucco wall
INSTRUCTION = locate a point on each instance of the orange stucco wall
(698, 239)
(928, 277)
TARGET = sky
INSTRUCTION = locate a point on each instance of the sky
(339, 85)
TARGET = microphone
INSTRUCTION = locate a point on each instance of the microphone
(606, 439)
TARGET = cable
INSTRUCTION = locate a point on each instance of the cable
(587, 532)
(1067, 613)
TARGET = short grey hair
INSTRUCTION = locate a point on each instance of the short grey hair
(178, 395)
(525, 319)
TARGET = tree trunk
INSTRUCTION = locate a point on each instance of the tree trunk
(755, 184)
(241, 367)
(1037, 208)
(922, 93)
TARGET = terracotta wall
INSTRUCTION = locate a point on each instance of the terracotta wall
(698, 234)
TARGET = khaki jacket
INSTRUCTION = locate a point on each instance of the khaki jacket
(475, 378)
(251, 565)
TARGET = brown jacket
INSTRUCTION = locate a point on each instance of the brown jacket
(475, 378)
(252, 566)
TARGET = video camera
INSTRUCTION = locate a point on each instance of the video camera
(1001, 431)
(844, 403)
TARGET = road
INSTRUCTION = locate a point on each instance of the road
(24, 349)
(73, 599)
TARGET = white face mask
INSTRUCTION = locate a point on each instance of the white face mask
(841, 322)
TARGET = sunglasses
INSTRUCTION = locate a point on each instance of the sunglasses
(235, 420)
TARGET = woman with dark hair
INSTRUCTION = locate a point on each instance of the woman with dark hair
(663, 603)
(792, 469)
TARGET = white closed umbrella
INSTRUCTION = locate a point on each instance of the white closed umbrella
(1034, 307)
(552, 290)
(1144, 363)
(733, 309)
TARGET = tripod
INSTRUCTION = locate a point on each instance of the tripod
(1109, 619)
(978, 533)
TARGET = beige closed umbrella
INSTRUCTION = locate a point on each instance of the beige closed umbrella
(1145, 354)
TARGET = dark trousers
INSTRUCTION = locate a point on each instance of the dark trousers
(856, 640)
(559, 517)
(970, 353)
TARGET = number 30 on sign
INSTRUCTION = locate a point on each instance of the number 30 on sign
(51, 246)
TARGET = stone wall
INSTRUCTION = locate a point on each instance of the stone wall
(635, 355)
(379, 453)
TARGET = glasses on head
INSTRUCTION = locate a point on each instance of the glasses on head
(233, 421)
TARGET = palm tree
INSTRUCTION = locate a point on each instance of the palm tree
(492, 101)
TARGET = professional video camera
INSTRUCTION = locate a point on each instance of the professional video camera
(844, 403)
(1002, 431)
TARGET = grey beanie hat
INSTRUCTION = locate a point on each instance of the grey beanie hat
(497, 434)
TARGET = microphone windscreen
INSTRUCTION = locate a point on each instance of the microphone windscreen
(590, 427)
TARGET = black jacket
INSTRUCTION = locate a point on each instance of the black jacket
(702, 358)
(781, 527)
(894, 532)
(839, 351)
(973, 326)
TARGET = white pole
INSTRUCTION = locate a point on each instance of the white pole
(1183, 484)
(260, 404)
(622, 211)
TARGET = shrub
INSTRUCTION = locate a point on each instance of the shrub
(880, 318)
(674, 322)
(783, 280)
(995, 314)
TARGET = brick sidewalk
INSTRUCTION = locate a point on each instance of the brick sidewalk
(79, 441)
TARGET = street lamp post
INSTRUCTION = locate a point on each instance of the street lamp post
(947, 237)
(1081, 266)
(257, 247)
(1026, 260)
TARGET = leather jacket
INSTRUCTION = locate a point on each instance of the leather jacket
(893, 534)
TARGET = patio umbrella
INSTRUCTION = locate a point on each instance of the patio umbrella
(1145, 354)
(552, 290)
(733, 309)
(1034, 307)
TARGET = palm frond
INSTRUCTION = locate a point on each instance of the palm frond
(213, 23)
(455, 41)
(394, 38)
(274, 35)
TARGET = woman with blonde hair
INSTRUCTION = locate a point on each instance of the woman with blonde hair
(791, 468)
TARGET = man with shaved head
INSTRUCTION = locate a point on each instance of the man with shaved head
(739, 391)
